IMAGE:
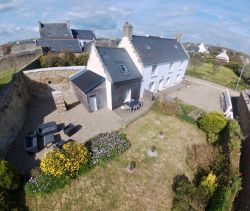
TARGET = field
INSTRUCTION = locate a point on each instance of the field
(110, 187)
(224, 76)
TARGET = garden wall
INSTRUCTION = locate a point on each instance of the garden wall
(13, 100)
(19, 60)
(243, 108)
(45, 80)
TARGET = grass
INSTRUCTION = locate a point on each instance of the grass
(5, 77)
(224, 76)
(109, 187)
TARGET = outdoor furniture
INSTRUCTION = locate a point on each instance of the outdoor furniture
(48, 139)
(70, 129)
(30, 143)
(133, 105)
(46, 128)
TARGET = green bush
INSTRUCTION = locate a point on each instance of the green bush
(234, 135)
(9, 179)
(82, 59)
(68, 58)
(51, 60)
(213, 122)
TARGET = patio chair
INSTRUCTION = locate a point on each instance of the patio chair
(70, 129)
(47, 128)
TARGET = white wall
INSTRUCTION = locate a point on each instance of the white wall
(96, 65)
(163, 72)
(126, 43)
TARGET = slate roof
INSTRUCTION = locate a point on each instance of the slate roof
(83, 34)
(113, 58)
(87, 80)
(58, 45)
(55, 31)
(155, 50)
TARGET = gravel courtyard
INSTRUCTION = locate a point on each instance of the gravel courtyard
(200, 93)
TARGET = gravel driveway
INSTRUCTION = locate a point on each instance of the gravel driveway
(200, 93)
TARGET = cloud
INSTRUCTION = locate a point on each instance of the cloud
(6, 5)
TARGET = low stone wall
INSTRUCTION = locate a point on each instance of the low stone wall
(243, 109)
(13, 101)
(46, 80)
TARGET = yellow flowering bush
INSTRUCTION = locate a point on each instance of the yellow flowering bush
(209, 183)
(65, 160)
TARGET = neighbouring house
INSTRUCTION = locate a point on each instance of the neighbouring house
(161, 61)
(223, 56)
(202, 49)
(123, 79)
(90, 89)
(191, 48)
(59, 36)
(84, 36)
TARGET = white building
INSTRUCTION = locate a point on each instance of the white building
(223, 56)
(161, 61)
(202, 49)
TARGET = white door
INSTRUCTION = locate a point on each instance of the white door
(127, 95)
(93, 103)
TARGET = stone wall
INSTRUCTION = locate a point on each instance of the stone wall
(13, 101)
(18, 60)
(243, 109)
(45, 81)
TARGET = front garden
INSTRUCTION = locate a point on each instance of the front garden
(161, 161)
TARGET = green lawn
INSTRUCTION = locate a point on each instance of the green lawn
(5, 77)
(110, 187)
(224, 76)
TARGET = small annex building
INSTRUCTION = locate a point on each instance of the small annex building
(90, 89)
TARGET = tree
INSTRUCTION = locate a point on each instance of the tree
(51, 60)
(6, 49)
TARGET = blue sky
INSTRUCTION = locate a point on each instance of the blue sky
(215, 22)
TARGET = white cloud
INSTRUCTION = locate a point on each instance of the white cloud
(6, 5)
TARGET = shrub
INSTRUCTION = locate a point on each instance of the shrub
(209, 183)
(107, 145)
(234, 135)
(82, 59)
(213, 122)
(9, 178)
(68, 58)
(67, 160)
(51, 60)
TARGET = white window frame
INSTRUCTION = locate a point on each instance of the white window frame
(123, 67)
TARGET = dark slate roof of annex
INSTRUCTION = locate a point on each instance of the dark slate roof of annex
(58, 45)
(87, 81)
(83, 34)
(55, 31)
(113, 58)
(156, 50)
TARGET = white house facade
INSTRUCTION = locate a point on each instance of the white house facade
(223, 56)
(202, 49)
(161, 61)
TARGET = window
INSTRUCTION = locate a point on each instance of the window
(152, 87)
(168, 81)
(154, 70)
(171, 67)
(124, 69)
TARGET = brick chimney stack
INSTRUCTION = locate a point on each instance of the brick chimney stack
(127, 30)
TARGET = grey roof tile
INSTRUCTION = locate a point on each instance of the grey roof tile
(54, 31)
(83, 34)
(113, 58)
(87, 81)
(58, 45)
(155, 50)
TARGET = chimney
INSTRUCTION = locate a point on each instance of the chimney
(178, 37)
(127, 30)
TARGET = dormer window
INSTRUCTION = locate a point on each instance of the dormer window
(154, 70)
(124, 69)
(171, 67)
